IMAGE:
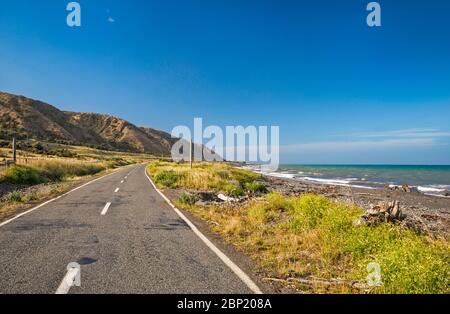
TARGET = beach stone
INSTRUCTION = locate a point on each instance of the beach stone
(415, 190)
(405, 188)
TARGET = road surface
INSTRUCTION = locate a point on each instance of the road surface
(124, 235)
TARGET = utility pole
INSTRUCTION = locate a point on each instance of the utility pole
(14, 150)
(191, 152)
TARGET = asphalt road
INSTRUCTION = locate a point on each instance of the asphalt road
(138, 245)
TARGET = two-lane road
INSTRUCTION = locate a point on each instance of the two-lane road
(124, 235)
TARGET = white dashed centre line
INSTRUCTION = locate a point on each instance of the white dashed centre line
(117, 190)
(68, 281)
(105, 210)
(121, 181)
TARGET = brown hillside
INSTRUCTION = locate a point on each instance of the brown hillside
(22, 117)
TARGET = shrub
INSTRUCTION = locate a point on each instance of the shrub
(308, 211)
(243, 176)
(234, 191)
(117, 162)
(63, 152)
(255, 187)
(188, 199)
(15, 197)
(269, 210)
(54, 171)
(409, 262)
(222, 174)
(277, 202)
(261, 213)
(23, 175)
(49, 171)
(85, 170)
(58, 171)
(30, 197)
(168, 179)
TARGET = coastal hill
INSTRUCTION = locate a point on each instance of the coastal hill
(24, 117)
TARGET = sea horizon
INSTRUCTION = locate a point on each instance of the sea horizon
(427, 179)
(363, 164)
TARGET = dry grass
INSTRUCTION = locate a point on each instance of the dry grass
(219, 177)
(44, 171)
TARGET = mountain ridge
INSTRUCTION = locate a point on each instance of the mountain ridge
(25, 117)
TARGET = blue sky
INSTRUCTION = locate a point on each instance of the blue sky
(340, 91)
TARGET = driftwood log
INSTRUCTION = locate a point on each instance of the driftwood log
(383, 212)
(312, 281)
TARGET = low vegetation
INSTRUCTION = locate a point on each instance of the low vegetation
(188, 199)
(22, 175)
(218, 177)
(49, 171)
(15, 197)
(310, 241)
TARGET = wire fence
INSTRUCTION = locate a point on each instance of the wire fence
(3, 166)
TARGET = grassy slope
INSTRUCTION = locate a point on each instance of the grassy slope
(311, 236)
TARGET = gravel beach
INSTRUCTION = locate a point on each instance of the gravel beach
(429, 214)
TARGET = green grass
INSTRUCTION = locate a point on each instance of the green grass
(118, 162)
(255, 187)
(410, 263)
(218, 177)
(188, 199)
(310, 235)
(59, 171)
(14, 197)
(22, 175)
(50, 171)
(170, 179)
(20, 197)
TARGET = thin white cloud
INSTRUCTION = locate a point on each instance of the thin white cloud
(373, 141)
(111, 20)
(408, 133)
(355, 146)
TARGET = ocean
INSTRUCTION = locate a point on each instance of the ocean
(431, 180)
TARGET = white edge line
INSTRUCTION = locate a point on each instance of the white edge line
(239, 272)
(54, 199)
(67, 281)
(105, 209)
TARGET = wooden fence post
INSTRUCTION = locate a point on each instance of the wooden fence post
(191, 152)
